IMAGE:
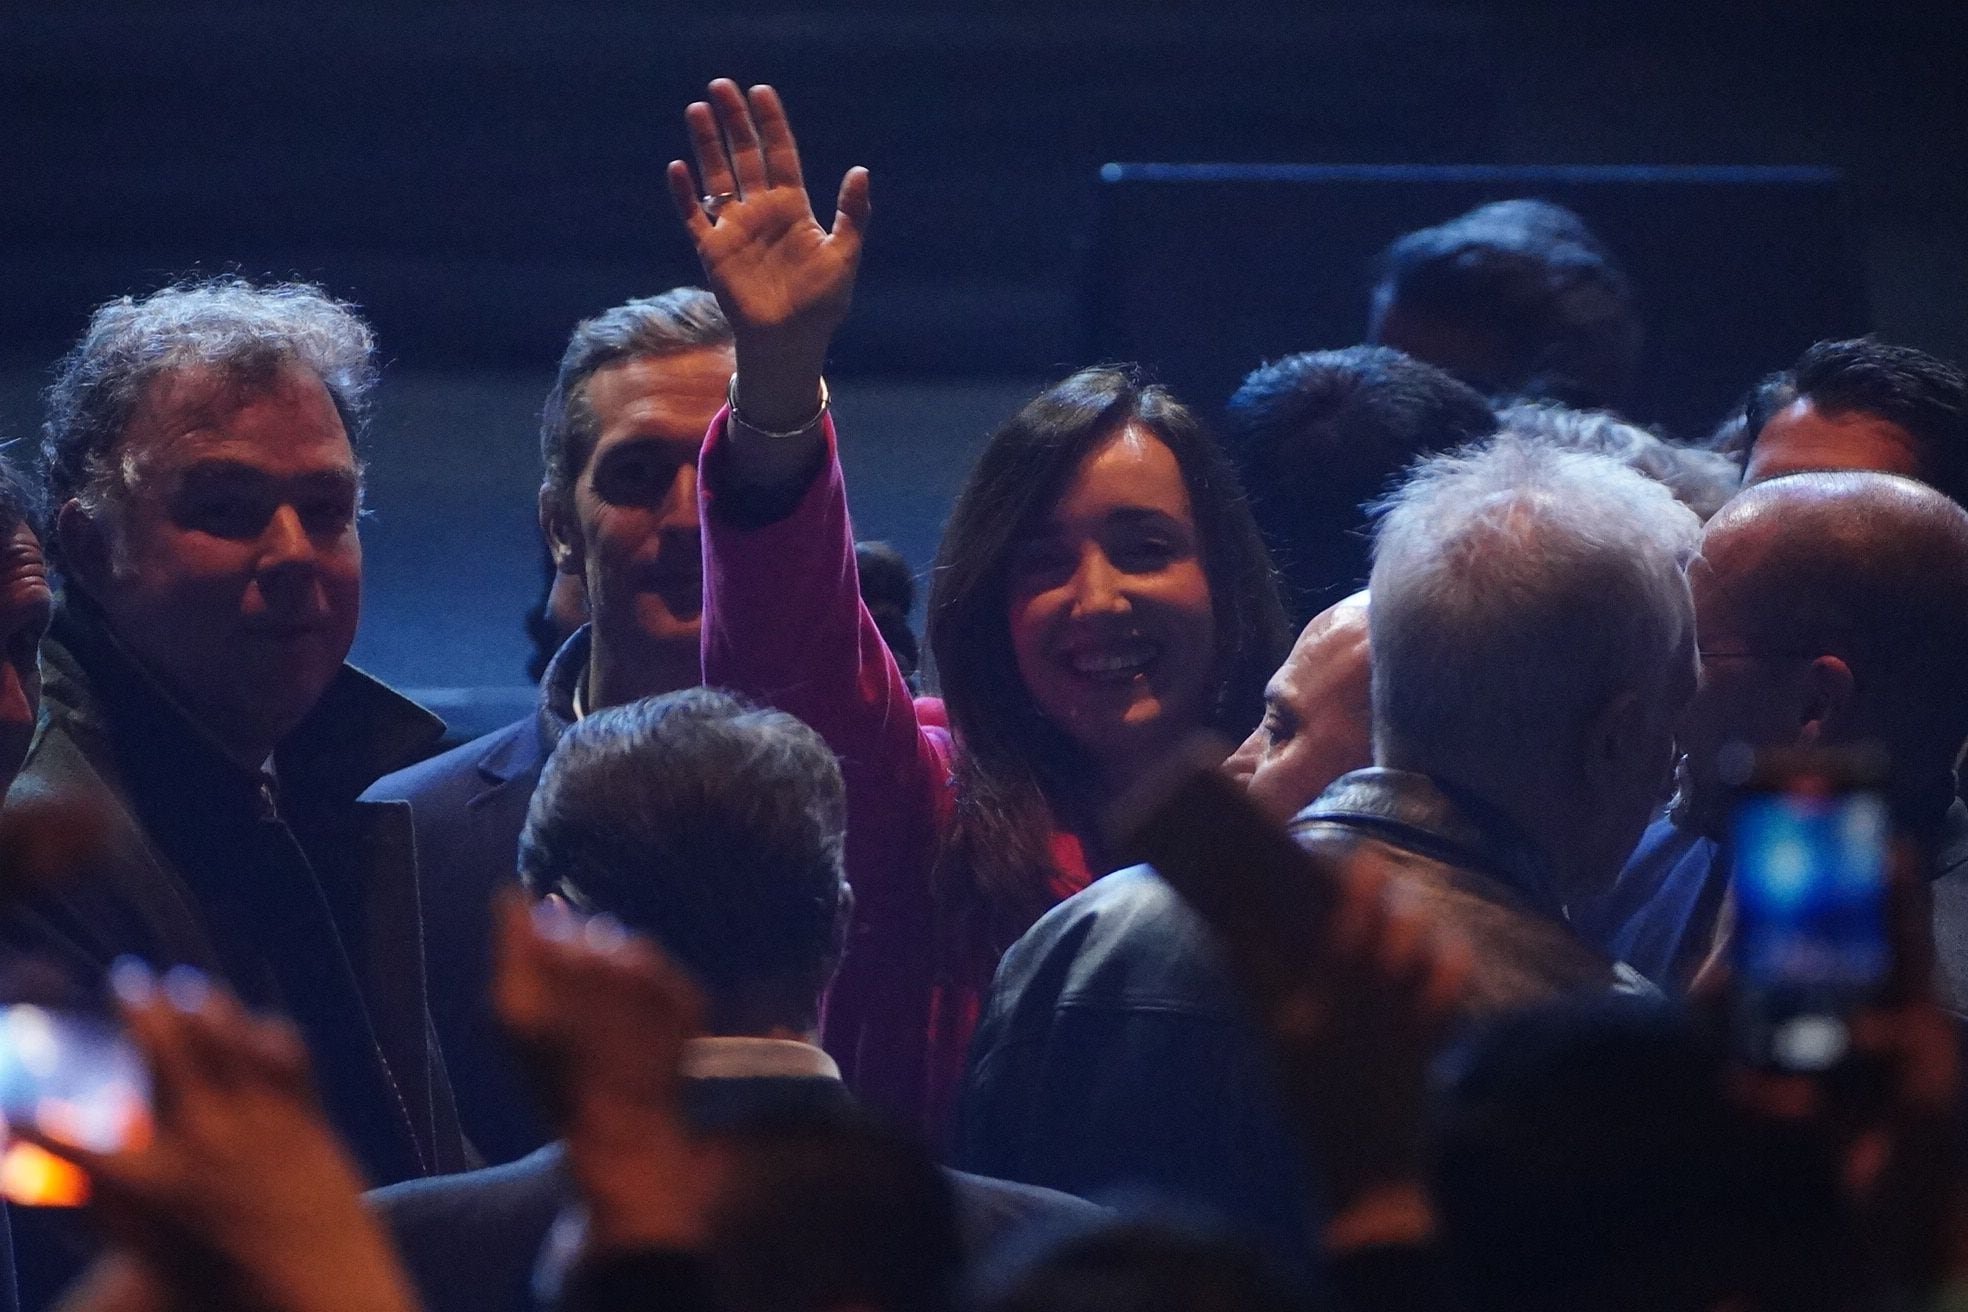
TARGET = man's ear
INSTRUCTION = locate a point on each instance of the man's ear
(86, 557)
(843, 920)
(562, 534)
(1828, 712)
(1612, 736)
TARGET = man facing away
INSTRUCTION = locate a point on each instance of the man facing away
(205, 494)
(715, 828)
(1532, 646)
(636, 392)
(1832, 610)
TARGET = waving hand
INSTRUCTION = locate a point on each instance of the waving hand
(783, 281)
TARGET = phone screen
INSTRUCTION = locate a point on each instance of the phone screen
(73, 1078)
(1811, 940)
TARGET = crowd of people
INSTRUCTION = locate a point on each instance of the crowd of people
(741, 975)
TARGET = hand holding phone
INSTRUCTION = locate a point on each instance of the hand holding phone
(1812, 845)
(65, 1076)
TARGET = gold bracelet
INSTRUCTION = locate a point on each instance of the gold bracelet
(731, 401)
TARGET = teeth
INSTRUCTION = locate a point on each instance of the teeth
(1132, 658)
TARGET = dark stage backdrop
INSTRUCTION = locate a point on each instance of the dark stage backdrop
(480, 175)
(1200, 270)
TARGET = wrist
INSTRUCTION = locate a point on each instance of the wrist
(779, 389)
(783, 420)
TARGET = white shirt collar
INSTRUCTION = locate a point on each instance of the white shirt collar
(731, 1058)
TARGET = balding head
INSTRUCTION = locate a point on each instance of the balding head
(1833, 607)
(1318, 713)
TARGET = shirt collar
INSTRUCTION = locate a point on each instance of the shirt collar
(564, 685)
(1951, 845)
(1423, 815)
(717, 1058)
(358, 731)
(735, 1058)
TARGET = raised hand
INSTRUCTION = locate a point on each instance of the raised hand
(1354, 1024)
(783, 281)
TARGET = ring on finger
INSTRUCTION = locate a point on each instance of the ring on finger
(716, 201)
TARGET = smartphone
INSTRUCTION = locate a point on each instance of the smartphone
(71, 1077)
(1234, 864)
(1812, 840)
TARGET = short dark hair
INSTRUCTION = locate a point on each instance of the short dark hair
(1140, 1264)
(1918, 392)
(1316, 435)
(715, 827)
(1533, 281)
(888, 590)
(681, 319)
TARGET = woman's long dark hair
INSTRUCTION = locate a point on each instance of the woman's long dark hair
(1018, 776)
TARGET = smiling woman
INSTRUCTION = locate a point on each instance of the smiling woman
(1101, 593)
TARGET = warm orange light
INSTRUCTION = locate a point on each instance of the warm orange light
(33, 1177)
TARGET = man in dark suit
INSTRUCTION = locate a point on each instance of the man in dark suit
(716, 829)
(637, 390)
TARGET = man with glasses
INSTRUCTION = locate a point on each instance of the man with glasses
(1830, 609)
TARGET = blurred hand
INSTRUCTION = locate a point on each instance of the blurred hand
(601, 1018)
(1892, 1108)
(242, 1197)
(1355, 1023)
(782, 280)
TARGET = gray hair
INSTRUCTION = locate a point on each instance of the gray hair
(1701, 480)
(681, 319)
(244, 333)
(1516, 589)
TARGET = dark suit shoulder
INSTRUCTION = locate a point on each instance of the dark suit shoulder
(990, 1210)
(471, 1240)
(466, 770)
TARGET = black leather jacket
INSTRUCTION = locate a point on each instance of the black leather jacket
(1114, 1054)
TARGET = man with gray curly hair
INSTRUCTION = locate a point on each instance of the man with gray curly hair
(204, 490)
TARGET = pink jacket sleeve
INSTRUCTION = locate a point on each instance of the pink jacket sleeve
(784, 625)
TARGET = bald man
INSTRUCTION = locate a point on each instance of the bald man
(1318, 714)
(1830, 609)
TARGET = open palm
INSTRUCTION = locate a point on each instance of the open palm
(776, 272)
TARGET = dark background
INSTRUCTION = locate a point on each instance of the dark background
(479, 176)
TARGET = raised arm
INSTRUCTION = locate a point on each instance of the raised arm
(783, 619)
